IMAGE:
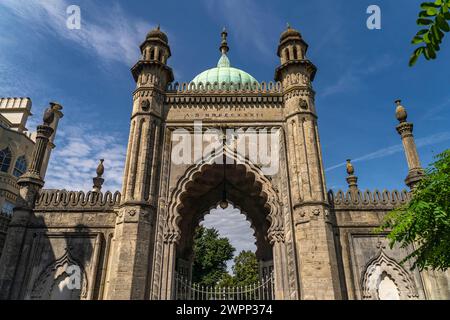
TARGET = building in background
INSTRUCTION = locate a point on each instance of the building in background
(16, 149)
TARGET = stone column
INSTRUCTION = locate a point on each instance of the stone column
(29, 185)
(405, 130)
(281, 284)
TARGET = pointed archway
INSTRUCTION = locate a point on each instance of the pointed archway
(200, 189)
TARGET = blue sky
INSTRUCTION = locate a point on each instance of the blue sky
(361, 73)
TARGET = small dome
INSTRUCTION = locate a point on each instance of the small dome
(289, 32)
(224, 73)
(157, 33)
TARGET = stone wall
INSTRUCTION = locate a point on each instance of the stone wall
(366, 258)
(68, 232)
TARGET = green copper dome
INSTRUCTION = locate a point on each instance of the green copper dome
(224, 73)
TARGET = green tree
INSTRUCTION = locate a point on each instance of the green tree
(424, 222)
(245, 271)
(211, 252)
(433, 18)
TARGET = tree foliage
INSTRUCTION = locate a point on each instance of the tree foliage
(433, 18)
(245, 271)
(424, 222)
(211, 252)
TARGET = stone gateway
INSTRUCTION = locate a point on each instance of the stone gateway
(317, 244)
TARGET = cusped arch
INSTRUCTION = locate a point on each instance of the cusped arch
(43, 286)
(272, 203)
(383, 264)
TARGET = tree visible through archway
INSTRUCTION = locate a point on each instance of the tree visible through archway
(225, 234)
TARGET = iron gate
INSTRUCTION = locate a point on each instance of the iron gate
(261, 290)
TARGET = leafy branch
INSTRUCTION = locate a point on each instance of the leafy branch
(433, 17)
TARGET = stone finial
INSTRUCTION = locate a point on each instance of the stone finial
(351, 178)
(98, 180)
(350, 168)
(100, 168)
(49, 113)
(400, 112)
(224, 44)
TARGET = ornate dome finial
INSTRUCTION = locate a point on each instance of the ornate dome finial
(224, 44)
(400, 111)
(156, 33)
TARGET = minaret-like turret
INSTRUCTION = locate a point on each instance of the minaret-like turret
(152, 76)
(313, 227)
(405, 130)
(138, 209)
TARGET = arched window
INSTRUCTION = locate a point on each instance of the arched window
(20, 167)
(152, 53)
(387, 289)
(5, 159)
(295, 57)
(286, 54)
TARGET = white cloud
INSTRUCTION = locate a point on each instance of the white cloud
(385, 152)
(75, 158)
(232, 224)
(110, 33)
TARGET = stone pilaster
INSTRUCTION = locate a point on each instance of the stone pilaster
(136, 216)
(405, 130)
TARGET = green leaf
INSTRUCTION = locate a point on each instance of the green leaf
(417, 40)
(432, 11)
(424, 22)
(415, 56)
(413, 60)
(431, 52)
(442, 23)
(427, 5)
(422, 32)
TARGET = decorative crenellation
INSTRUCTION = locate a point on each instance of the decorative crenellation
(369, 198)
(191, 87)
(15, 103)
(211, 102)
(57, 200)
